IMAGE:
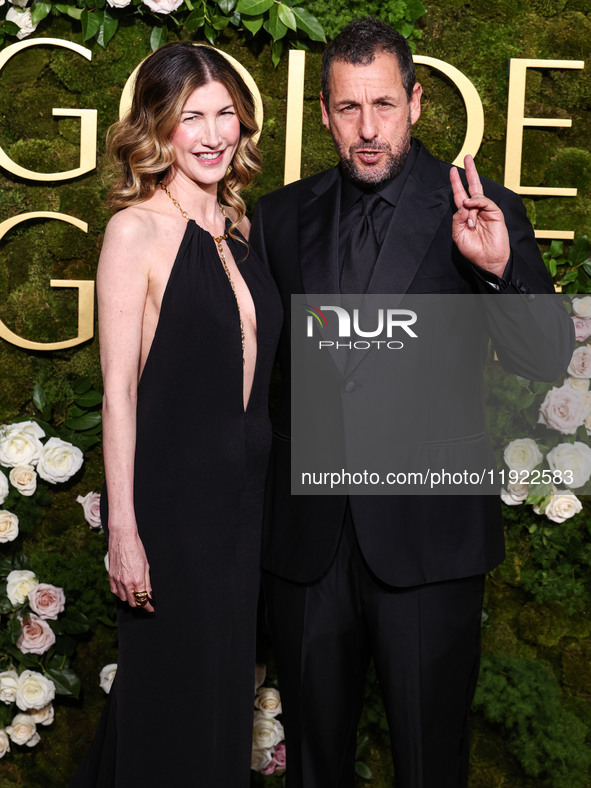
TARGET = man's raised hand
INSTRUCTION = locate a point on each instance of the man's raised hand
(478, 228)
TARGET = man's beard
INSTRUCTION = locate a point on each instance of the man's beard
(374, 175)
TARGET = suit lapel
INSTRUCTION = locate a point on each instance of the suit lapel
(318, 227)
(423, 204)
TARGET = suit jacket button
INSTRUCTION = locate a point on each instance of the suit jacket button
(530, 297)
(350, 386)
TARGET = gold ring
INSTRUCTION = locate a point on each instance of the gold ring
(141, 598)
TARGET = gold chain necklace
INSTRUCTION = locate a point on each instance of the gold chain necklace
(218, 242)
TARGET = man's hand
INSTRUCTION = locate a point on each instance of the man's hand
(478, 228)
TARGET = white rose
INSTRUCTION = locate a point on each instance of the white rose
(515, 494)
(107, 677)
(4, 743)
(268, 701)
(3, 488)
(260, 759)
(563, 505)
(34, 690)
(563, 409)
(522, 454)
(163, 6)
(582, 306)
(59, 461)
(24, 478)
(19, 443)
(580, 363)
(8, 685)
(20, 3)
(23, 20)
(578, 384)
(22, 729)
(91, 503)
(34, 740)
(106, 561)
(8, 526)
(44, 716)
(266, 732)
(574, 457)
(19, 583)
(118, 3)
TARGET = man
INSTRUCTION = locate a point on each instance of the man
(395, 579)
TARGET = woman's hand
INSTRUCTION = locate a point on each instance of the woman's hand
(129, 570)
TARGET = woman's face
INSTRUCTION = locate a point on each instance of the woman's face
(207, 135)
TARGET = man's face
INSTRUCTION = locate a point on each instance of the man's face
(370, 118)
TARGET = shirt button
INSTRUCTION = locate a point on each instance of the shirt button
(350, 386)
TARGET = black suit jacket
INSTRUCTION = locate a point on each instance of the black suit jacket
(406, 540)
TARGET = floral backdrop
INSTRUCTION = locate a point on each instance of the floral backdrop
(532, 713)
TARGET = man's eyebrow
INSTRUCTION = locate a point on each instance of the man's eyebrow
(353, 102)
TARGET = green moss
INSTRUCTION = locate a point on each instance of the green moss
(39, 155)
(576, 668)
(543, 625)
(571, 167)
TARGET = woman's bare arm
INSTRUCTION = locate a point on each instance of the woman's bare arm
(122, 286)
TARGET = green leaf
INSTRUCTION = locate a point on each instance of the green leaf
(39, 11)
(587, 267)
(82, 384)
(14, 629)
(158, 37)
(110, 26)
(195, 19)
(5, 605)
(39, 397)
(90, 24)
(210, 33)
(227, 6)
(362, 770)
(91, 398)
(254, 7)
(579, 250)
(20, 561)
(75, 13)
(73, 622)
(276, 52)
(552, 267)
(287, 16)
(275, 27)
(414, 9)
(253, 23)
(556, 248)
(10, 28)
(309, 24)
(220, 22)
(85, 422)
(65, 680)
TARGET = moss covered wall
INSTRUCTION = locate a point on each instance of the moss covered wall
(477, 38)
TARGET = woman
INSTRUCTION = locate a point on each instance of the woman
(185, 307)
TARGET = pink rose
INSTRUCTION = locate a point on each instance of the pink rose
(91, 503)
(270, 768)
(37, 636)
(580, 363)
(279, 756)
(563, 409)
(582, 328)
(47, 601)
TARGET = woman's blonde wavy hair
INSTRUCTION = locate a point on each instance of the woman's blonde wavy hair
(140, 146)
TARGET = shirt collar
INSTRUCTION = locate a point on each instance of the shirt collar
(389, 191)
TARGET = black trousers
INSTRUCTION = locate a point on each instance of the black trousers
(425, 643)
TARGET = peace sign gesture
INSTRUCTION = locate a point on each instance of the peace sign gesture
(478, 227)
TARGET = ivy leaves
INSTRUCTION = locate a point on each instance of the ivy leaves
(274, 20)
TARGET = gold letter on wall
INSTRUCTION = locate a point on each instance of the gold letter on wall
(85, 288)
(87, 117)
(474, 110)
(515, 125)
(295, 115)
